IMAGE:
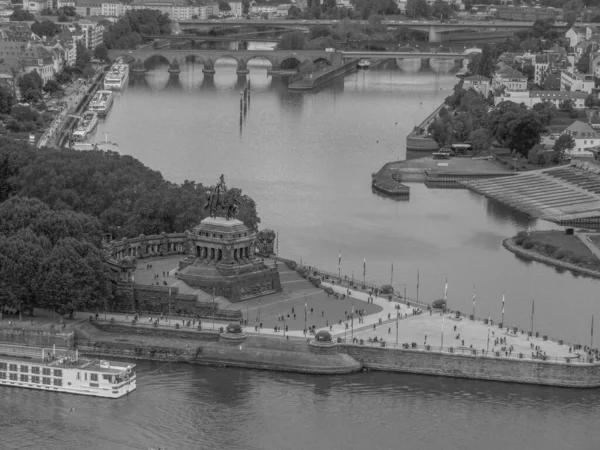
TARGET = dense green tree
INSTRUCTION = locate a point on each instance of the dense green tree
(483, 63)
(68, 11)
(480, 140)
(562, 146)
(224, 6)
(101, 52)
(21, 15)
(134, 24)
(31, 85)
(52, 86)
(46, 28)
(515, 126)
(418, 8)
(246, 6)
(292, 41)
(546, 111)
(6, 100)
(441, 131)
(83, 56)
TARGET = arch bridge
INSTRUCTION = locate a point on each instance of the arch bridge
(209, 57)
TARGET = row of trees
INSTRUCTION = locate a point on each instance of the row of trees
(50, 259)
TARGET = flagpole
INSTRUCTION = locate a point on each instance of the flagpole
(488, 339)
(339, 264)
(397, 328)
(305, 308)
(417, 286)
(473, 302)
(502, 309)
(532, 311)
(592, 334)
(364, 271)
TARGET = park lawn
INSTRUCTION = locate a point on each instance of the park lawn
(566, 242)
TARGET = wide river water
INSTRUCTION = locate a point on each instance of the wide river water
(307, 159)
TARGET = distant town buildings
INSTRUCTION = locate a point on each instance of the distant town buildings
(572, 81)
(585, 137)
(511, 79)
(479, 83)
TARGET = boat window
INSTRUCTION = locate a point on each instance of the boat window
(2, 375)
(57, 372)
(107, 377)
(12, 367)
(57, 382)
(25, 369)
(13, 376)
(35, 379)
(45, 371)
(93, 376)
(25, 378)
(35, 370)
(45, 380)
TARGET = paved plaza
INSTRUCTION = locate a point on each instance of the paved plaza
(330, 313)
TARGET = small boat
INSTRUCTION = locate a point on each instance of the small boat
(103, 146)
(364, 64)
(86, 125)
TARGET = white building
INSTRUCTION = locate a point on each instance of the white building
(571, 81)
(112, 9)
(530, 98)
(236, 8)
(479, 83)
(36, 6)
(510, 78)
(87, 8)
(93, 33)
(577, 34)
(64, 3)
(585, 137)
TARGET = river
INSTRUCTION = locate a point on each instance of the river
(307, 159)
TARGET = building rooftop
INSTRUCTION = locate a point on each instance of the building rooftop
(477, 78)
(579, 130)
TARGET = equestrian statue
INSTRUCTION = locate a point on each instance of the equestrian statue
(221, 198)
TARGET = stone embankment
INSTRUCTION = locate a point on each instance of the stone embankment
(316, 79)
(211, 348)
(511, 246)
(419, 141)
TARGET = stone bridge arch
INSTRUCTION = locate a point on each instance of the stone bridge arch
(156, 59)
(290, 62)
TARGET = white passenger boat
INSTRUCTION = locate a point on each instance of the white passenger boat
(101, 102)
(68, 373)
(117, 76)
(364, 64)
(86, 125)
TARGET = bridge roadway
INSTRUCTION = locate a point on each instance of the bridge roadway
(275, 57)
(435, 29)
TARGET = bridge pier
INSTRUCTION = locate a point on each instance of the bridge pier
(242, 68)
(434, 36)
(209, 67)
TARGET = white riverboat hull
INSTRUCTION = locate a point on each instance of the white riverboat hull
(92, 392)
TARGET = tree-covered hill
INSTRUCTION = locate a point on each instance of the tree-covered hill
(127, 197)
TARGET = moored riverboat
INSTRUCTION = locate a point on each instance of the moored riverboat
(86, 125)
(69, 374)
(116, 78)
(443, 153)
(102, 102)
(364, 64)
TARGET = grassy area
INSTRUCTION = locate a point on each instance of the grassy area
(558, 245)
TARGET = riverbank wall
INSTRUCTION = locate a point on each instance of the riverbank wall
(36, 337)
(213, 348)
(511, 246)
(573, 375)
(417, 140)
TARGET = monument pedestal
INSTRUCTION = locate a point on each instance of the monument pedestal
(223, 258)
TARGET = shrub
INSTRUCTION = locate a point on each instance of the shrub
(521, 237)
(560, 254)
(528, 244)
